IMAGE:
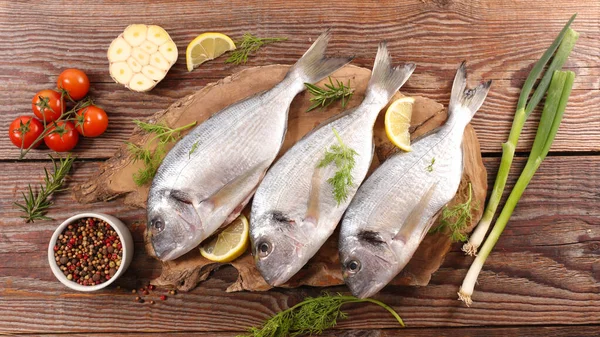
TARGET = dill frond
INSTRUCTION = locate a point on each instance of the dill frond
(152, 160)
(311, 317)
(248, 46)
(343, 158)
(456, 219)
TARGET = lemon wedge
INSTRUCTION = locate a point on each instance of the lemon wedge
(229, 244)
(205, 47)
(397, 122)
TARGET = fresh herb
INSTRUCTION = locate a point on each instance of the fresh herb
(429, 167)
(554, 108)
(193, 149)
(456, 219)
(563, 44)
(343, 158)
(37, 202)
(152, 159)
(248, 46)
(323, 97)
(311, 317)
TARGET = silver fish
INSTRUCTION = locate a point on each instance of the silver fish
(395, 207)
(196, 192)
(294, 210)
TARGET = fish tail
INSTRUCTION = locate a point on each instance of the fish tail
(313, 66)
(385, 79)
(462, 98)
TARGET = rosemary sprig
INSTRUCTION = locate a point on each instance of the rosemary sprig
(311, 317)
(343, 158)
(323, 97)
(37, 202)
(152, 160)
(248, 46)
(456, 219)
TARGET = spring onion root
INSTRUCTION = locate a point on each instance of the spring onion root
(556, 102)
(564, 42)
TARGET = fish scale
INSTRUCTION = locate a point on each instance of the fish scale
(395, 207)
(194, 194)
(294, 209)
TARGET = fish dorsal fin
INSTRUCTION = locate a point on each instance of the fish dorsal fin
(312, 209)
(414, 217)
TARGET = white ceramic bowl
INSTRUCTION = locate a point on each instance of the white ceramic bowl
(126, 242)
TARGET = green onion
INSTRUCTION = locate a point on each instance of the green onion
(556, 102)
(564, 42)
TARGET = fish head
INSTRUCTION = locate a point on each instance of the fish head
(279, 246)
(174, 227)
(368, 262)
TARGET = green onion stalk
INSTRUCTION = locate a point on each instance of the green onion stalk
(564, 42)
(552, 114)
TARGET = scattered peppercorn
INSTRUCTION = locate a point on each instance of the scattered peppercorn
(83, 252)
(151, 287)
(141, 300)
(133, 291)
(163, 297)
(172, 292)
(152, 302)
(145, 292)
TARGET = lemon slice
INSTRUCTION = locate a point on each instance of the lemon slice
(206, 47)
(229, 244)
(397, 122)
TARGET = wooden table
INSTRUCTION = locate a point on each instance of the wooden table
(543, 278)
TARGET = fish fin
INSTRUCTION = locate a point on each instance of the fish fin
(462, 98)
(312, 210)
(182, 196)
(385, 79)
(313, 66)
(414, 218)
(228, 191)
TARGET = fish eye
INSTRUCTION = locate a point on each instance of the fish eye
(264, 249)
(157, 224)
(353, 267)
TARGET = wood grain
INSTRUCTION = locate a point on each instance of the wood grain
(554, 331)
(436, 35)
(545, 270)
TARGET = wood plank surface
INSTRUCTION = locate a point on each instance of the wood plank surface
(437, 35)
(544, 271)
(543, 275)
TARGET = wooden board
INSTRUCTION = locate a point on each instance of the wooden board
(542, 278)
(544, 270)
(114, 178)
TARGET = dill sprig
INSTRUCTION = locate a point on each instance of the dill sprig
(37, 202)
(248, 46)
(152, 159)
(311, 317)
(429, 167)
(193, 149)
(456, 219)
(343, 158)
(323, 97)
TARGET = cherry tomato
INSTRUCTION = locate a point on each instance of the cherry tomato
(62, 136)
(48, 104)
(24, 130)
(92, 121)
(75, 82)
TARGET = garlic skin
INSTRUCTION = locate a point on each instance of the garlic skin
(140, 57)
